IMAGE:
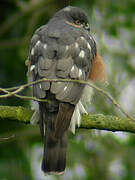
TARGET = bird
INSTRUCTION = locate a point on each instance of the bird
(62, 49)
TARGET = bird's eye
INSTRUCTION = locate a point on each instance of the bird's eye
(78, 22)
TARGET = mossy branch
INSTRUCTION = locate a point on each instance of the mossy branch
(8, 92)
(15, 113)
(90, 121)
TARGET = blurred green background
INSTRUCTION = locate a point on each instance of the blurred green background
(92, 155)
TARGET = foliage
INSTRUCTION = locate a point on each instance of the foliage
(91, 154)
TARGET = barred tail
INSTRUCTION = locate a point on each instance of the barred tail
(56, 124)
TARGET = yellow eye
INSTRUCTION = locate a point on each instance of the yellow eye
(78, 22)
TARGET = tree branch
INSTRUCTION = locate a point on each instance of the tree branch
(90, 121)
(16, 113)
(88, 83)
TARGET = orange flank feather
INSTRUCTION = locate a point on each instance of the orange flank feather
(98, 72)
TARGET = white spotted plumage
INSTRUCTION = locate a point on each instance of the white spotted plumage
(82, 38)
(45, 46)
(76, 45)
(82, 54)
(32, 67)
(80, 73)
(40, 86)
(65, 88)
(67, 47)
(72, 69)
(60, 51)
(32, 51)
(38, 42)
(89, 47)
(81, 107)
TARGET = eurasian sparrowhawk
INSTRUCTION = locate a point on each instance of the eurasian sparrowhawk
(62, 49)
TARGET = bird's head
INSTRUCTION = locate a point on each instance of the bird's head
(73, 16)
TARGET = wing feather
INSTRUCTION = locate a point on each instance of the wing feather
(52, 57)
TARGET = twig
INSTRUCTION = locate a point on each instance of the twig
(8, 94)
(6, 138)
(22, 87)
(32, 98)
(14, 93)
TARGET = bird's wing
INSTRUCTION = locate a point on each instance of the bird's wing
(51, 59)
(54, 58)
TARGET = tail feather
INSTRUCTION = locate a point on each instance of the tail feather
(63, 118)
(54, 159)
(54, 124)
